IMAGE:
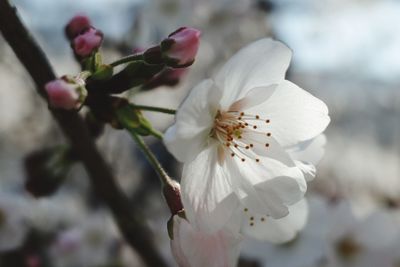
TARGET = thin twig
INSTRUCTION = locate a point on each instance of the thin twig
(74, 128)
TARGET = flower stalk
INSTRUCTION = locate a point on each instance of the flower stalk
(127, 59)
(164, 177)
(156, 109)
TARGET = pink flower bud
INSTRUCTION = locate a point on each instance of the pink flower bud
(77, 25)
(180, 48)
(65, 95)
(87, 42)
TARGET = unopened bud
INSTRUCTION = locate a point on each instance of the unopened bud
(88, 42)
(66, 93)
(77, 25)
(180, 48)
(172, 194)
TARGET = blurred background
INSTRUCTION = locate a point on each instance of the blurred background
(346, 52)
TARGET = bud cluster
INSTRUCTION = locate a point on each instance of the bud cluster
(161, 65)
(85, 39)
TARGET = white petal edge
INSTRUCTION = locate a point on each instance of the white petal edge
(207, 193)
(258, 64)
(194, 119)
(308, 170)
(267, 188)
(260, 227)
(310, 151)
(254, 97)
(295, 115)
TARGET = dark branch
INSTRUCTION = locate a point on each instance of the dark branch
(74, 128)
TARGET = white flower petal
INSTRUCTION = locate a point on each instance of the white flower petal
(184, 148)
(307, 154)
(261, 63)
(295, 115)
(194, 120)
(192, 248)
(366, 231)
(253, 98)
(261, 227)
(310, 151)
(307, 169)
(267, 187)
(281, 190)
(207, 194)
(264, 146)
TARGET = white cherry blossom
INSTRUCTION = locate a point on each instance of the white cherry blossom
(234, 134)
(14, 218)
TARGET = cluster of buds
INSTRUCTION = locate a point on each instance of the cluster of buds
(85, 39)
(163, 64)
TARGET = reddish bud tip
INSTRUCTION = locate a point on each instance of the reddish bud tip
(77, 25)
(65, 95)
(87, 42)
(181, 46)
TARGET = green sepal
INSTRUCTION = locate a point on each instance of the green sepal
(133, 120)
(128, 117)
(103, 72)
(97, 61)
(92, 62)
(170, 223)
(170, 227)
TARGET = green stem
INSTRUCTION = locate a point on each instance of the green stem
(165, 179)
(156, 134)
(156, 109)
(135, 57)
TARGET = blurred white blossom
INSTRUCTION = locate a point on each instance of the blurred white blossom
(89, 243)
(14, 220)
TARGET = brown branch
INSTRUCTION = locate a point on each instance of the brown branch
(74, 128)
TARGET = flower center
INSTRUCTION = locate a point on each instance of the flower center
(240, 134)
